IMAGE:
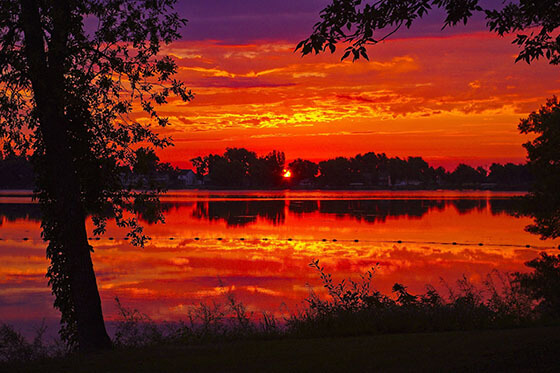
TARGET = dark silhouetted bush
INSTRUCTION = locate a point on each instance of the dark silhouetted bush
(543, 284)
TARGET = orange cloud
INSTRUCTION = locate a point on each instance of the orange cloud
(449, 98)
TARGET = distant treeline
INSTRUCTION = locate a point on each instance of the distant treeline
(238, 213)
(16, 173)
(147, 172)
(241, 168)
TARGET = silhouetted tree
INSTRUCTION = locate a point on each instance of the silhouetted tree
(227, 172)
(243, 158)
(359, 23)
(67, 90)
(368, 164)
(200, 164)
(417, 169)
(239, 167)
(146, 161)
(510, 174)
(440, 175)
(543, 203)
(482, 172)
(303, 169)
(149, 173)
(335, 172)
(465, 174)
(266, 171)
(242, 168)
(397, 169)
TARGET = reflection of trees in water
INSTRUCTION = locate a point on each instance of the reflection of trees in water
(149, 216)
(505, 206)
(465, 206)
(240, 213)
(20, 211)
(302, 207)
(372, 211)
(378, 210)
(544, 209)
(32, 211)
(243, 212)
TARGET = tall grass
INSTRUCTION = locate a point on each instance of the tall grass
(205, 323)
(14, 347)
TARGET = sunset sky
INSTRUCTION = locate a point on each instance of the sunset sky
(450, 97)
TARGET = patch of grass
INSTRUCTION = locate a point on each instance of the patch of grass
(517, 350)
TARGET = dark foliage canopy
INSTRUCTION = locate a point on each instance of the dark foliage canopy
(239, 167)
(73, 77)
(111, 68)
(542, 284)
(543, 153)
(359, 23)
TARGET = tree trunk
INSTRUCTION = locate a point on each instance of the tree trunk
(46, 72)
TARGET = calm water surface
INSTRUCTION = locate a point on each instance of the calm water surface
(259, 245)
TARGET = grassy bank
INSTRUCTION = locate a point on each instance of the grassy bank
(526, 349)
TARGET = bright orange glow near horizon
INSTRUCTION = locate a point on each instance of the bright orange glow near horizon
(287, 174)
(450, 99)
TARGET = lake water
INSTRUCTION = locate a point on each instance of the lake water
(259, 245)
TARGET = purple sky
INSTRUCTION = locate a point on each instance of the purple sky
(244, 21)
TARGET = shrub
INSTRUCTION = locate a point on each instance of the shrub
(135, 328)
(358, 308)
(15, 348)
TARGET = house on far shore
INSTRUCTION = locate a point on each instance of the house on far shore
(384, 179)
(306, 183)
(188, 178)
(408, 183)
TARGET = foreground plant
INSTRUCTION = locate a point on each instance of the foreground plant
(358, 308)
(14, 347)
